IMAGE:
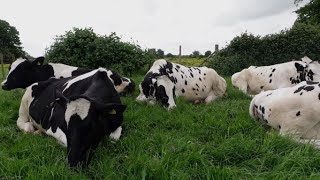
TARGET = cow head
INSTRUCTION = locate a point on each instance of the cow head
(147, 88)
(165, 92)
(157, 88)
(239, 80)
(22, 73)
(88, 121)
(313, 71)
(128, 86)
(221, 86)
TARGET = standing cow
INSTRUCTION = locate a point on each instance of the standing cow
(256, 79)
(292, 110)
(77, 111)
(165, 80)
(22, 73)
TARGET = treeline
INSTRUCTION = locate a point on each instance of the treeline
(245, 50)
(159, 53)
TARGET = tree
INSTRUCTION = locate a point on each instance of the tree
(160, 53)
(195, 54)
(207, 53)
(310, 13)
(9, 41)
(169, 55)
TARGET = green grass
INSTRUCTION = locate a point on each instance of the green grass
(216, 141)
(188, 61)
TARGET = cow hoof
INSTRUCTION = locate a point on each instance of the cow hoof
(170, 108)
(197, 102)
(38, 132)
(28, 127)
(115, 135)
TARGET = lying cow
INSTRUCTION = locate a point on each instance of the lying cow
(293, 110)
(165, 80)
(22, 73)
(77, 111)
(256, 79)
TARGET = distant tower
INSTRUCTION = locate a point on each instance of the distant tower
(216, 48)
(180, 51)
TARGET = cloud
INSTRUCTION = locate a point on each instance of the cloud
(246, 10)
(164, 24)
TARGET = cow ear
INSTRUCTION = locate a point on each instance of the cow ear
(38, 61)
(60, 98)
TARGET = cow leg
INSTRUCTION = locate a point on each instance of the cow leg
(23, 121)
(115, 135)
(210, 98)
(296, 137)
(314, 142)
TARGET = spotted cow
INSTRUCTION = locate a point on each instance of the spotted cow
(293, 111)
(22, 73)
(256, 79)
(165, 80)
(77, 111)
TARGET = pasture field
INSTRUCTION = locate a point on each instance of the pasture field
(188, 61)
(216, 141)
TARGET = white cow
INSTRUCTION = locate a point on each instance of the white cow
(292, 110)
(165, 80)
(256, 79)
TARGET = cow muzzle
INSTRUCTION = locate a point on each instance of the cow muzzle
(82, 160)
(4, 85)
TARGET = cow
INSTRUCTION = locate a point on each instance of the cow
(77, 111)
(293, 111)
(254, 79)
(22, 73)
(165, 80)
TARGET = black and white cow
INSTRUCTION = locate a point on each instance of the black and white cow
(22, 73)
(292, 110)
(165, 80)
(77, 111)
(256, 79)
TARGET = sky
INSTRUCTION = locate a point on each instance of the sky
(161, 24)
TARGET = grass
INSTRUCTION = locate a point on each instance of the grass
(188, 61)
(216, 141)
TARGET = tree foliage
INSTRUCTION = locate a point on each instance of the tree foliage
(169, 55)
(85, 48)
(247, 49)
(9, 41)
(207, 53)
(310, 13)
(160, 53)
(195, 54)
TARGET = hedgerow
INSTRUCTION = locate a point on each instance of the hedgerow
(247, 49)
(85, 48)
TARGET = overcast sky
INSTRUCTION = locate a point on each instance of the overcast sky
(164, 24)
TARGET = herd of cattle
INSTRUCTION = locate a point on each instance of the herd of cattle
(80, 106)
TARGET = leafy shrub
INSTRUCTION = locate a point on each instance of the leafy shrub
(84, 48)
(10, 45)
(247, 49)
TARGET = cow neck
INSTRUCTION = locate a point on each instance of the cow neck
(43, 72)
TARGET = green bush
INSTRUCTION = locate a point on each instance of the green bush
(246, 50)
(84, 48)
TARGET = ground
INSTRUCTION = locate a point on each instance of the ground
(218, 141)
